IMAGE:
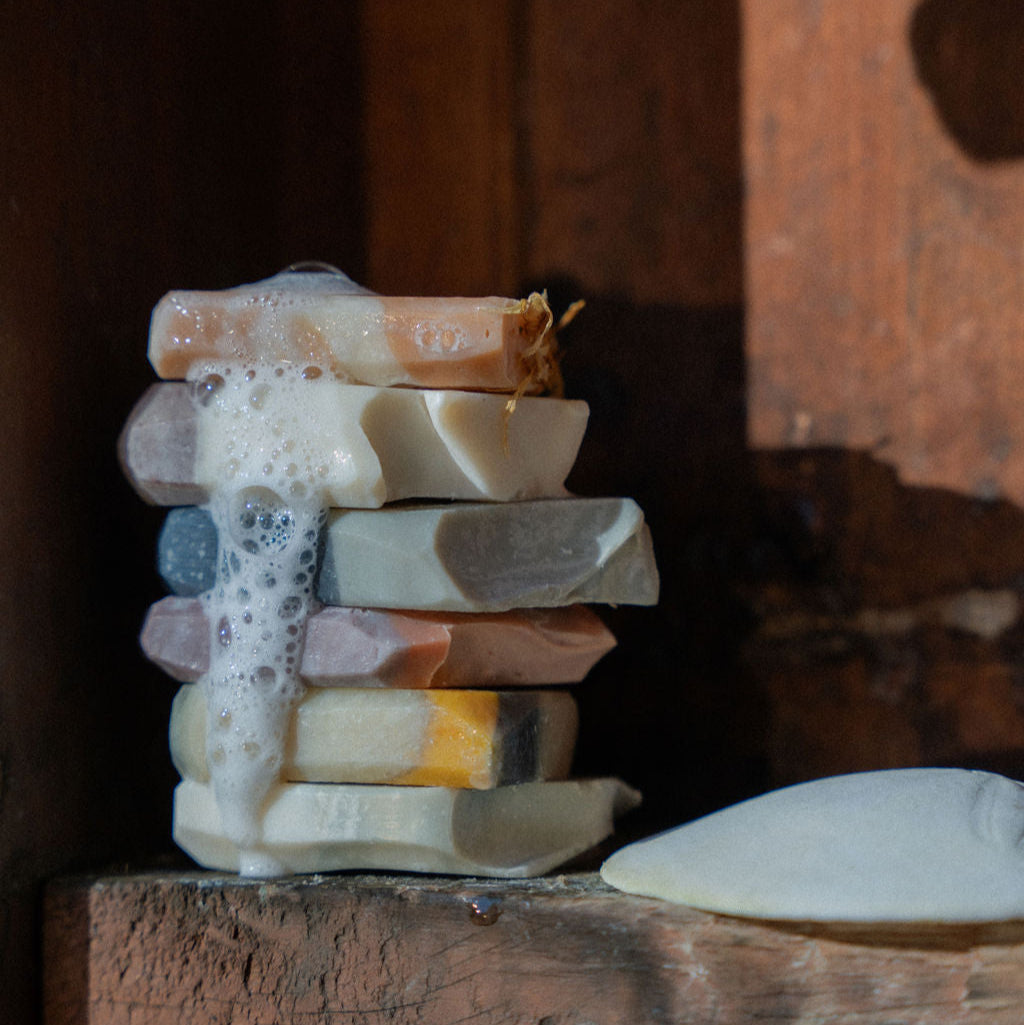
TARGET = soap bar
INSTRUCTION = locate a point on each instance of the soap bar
(509, 832)
(325, 320)
(192, 566)
(356, 445)
(472, 557)
(899, 845)
(349, 647)
(452, 738)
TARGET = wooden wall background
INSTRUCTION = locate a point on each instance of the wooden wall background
(809, 621)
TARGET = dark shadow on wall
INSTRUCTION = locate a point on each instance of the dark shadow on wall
(968, 55)
(669, 710)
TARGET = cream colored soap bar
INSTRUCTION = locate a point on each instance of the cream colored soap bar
(473, 557)
(355, 445)
(326, 320)
(346, 647)
(453, 738)
(508, 832)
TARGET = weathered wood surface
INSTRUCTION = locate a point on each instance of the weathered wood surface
(203, 948)
(884, 213)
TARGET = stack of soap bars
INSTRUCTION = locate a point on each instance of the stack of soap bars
(377, 577)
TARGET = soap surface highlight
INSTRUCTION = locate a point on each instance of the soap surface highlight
(901, 845)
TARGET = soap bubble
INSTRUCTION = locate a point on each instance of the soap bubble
(204, 390)
(259, 519)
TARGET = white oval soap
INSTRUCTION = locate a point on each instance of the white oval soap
(900, 845)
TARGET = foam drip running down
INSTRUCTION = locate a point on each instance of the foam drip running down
(268, 511)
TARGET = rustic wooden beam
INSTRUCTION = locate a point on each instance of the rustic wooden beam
(152, 949)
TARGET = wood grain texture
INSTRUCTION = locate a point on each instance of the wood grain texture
(541, 141)
(441, 216)
(567, 950)
(884, 264)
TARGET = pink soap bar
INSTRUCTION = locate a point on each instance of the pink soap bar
(325, 320)
(350, 647)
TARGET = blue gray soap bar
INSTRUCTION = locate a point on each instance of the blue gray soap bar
(187, 551)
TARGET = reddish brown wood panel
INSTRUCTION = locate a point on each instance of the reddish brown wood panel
(631, 169)
(439, 126)
(508, 143)
(883, 255)
(159, 950)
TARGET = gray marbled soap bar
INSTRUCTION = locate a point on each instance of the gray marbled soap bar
(464, 557)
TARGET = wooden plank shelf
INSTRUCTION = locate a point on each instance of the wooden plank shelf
(157, 949)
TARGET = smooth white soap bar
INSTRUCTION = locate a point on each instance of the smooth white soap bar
(509, 832)
(901, 845)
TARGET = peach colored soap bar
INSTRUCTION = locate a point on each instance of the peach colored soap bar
(455, 738)
(351, 647)
(326, 320)
(508, 832)
(363, 446)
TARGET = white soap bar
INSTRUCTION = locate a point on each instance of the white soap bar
(353, 445)
(510, 832)
(902, 845)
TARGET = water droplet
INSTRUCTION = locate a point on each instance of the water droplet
(484, 910)
(258, 396)
(224, 719)
(289, 607)
(251, 748)
(311, 373)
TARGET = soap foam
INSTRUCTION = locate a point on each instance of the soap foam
(269, 512)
